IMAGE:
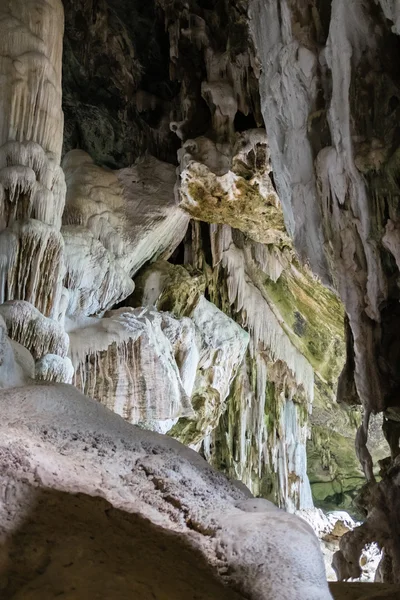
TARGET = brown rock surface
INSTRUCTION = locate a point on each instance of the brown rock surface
(79, 547)
(364, 591)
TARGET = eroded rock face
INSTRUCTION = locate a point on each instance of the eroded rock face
(52, 437)
(252, 335)
(330, 102)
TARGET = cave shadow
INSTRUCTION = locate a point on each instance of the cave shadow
(78, 547)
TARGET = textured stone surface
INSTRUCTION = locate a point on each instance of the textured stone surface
(52, 438)
(139, 363)
(364, 591)
(243, 198)
(81, 547)
(330, 103)
(221, 344)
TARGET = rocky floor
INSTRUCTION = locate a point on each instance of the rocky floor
(81, 548)
(93, 508)
(365, 591)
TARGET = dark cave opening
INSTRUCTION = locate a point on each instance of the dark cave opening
(244, 122)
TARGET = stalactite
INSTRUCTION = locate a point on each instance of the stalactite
(31, 181)
(54, 368)
(261, 321)
(27, 326)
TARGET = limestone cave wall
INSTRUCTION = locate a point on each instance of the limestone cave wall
(198, 230)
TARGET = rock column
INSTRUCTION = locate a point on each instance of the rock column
(32, 186)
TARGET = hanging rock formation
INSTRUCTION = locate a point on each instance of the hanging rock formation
(165, 251)
(32, 188)
(329, 93)
(114, 222)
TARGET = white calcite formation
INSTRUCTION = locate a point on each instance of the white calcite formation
(30, 63)
(221, 343)
(32, 187)
(391, 9)
(324, 200)
(27, 326)
(53, 367)
(24, 245)
(222, 348)
(139, 363)
(150, 367)
(114, 222)
(54, 438)
(94, 280)
(261, 440)
(34, 337)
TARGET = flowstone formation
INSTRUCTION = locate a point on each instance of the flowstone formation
(163, 256)
(330, 101)
(197, 105)
(63, 274)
